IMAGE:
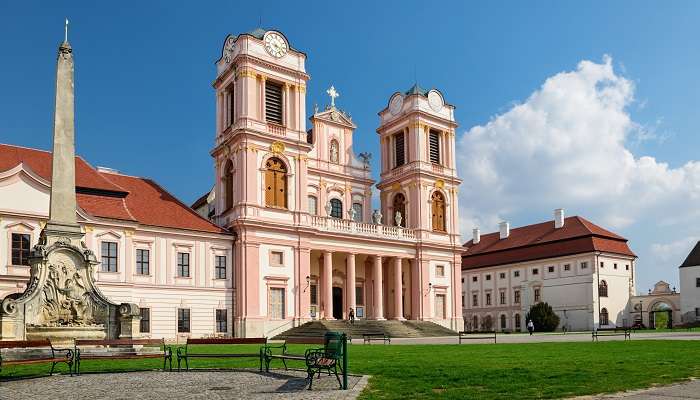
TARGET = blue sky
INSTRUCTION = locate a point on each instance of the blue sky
(145, 105)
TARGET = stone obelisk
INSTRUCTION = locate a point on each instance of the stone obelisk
(62, 216)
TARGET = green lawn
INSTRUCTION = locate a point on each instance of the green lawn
(537, 370)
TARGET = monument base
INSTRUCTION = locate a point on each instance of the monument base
(64, 335)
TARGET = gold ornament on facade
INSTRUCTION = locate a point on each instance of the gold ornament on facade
(277, 147)
(439, 184)
(396, 187)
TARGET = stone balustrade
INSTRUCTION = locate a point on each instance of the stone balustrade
(361, 228)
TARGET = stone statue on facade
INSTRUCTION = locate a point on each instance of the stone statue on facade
(366, 157)
(352, 213)
(398, 218)
(328, 208)
(377, 217)
(334, 151)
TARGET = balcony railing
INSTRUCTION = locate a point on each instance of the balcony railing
(362, 229)
(276, 129)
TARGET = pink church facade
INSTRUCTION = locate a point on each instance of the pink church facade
(307, 244)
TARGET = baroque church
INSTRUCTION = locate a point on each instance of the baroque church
(288, 234)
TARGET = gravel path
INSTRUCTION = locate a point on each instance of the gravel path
(205, 385)
(686, 390)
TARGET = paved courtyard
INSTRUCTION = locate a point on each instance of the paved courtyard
(205, 385)
(686, 390)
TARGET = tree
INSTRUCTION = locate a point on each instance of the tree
(543, 317)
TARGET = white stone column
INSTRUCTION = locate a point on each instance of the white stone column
(398, 290)
(350, 281)
(327, 282)
(378, 295)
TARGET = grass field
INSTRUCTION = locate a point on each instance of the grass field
(537, 370)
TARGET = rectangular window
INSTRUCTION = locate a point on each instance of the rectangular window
(221, 321)
(183, 265)
(488, 299)
(220, 267)
(313, 293)
(276, 303)
(434, 147)
(145, 325)
(358, 211)
(602, 264)
(516, 273)
(502, 298)
(475, 300)
(488, 277)
(502, 275)
(399, 149)
(474, 278)
(697, 311)
(359, 296)
(440, 306)
(231, 106)
(313, 205)
(627, 267)
(584, 265)
(143, 262)
(537, 295)
(20, 248)
(550, 269)
(276, 258)
(697, 282)
(273, 102)
(615, 266)
(535, 271)
(109, 257)
(567, 267)
(516, 296)
(183, 320)
(440, 270)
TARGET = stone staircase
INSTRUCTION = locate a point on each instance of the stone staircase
(395, 329)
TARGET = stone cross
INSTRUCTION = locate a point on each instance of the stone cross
(333, 94)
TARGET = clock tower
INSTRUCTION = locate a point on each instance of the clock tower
(419, 182)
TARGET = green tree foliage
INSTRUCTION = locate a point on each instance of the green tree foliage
(543, 317)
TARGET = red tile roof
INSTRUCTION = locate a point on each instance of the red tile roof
(539, 241)
(114, 196)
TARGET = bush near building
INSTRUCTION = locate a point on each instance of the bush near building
(544, 318)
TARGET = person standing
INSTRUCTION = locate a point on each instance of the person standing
(530, 327)
(352, 316)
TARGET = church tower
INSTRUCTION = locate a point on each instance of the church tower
(260, 128)
(419, 182)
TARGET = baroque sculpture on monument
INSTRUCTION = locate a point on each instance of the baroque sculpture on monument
(61, 301)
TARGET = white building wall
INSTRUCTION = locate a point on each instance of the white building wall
(690, 292)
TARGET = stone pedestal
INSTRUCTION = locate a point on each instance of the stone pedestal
(130, 321)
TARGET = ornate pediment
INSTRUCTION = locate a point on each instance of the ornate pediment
(336, 116)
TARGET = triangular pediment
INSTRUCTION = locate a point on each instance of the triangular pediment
(334, 115)
(109, 235)
(19, 226)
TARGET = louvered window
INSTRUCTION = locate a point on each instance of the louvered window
(273, 102)
(434, 147)
(399, 149)
(231, 106)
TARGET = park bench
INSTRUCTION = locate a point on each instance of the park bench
(34, 355)
(368, 337)
(185, 353)
(280, 351)
(128, 351)
(466, 335)
(334, 351)
(626, 332)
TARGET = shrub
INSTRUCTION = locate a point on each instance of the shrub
(543, 317)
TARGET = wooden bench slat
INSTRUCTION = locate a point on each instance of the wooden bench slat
(14, 344)
(119, 342)
(261, 340)
(213, 355)
(305, 340)
(33, 361)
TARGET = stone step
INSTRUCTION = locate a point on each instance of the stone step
(396, 329)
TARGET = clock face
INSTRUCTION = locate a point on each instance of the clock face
(395, 104)
(275, 44)
(435, 100)
(228, 50)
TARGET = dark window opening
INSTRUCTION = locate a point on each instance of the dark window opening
(20, 248)
(273, 102)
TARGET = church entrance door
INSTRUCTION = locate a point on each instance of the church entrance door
(337, 303)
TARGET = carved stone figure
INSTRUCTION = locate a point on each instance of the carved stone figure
(398, 218)
(352, 213)
(366, 157)
(377, 217)
(328, 208)
(334, 151)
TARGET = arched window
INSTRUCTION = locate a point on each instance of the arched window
(503, 322)
(475, 326)
(336, 208)
(275, 183)
(438, 211)
(517, 322)
(400, 206)
(487, 323)
(603, 289)
(604, 320)
(228, 185)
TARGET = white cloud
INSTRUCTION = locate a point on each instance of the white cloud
(568, 145)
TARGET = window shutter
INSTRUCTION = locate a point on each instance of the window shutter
(269, 187)
(273, 102)
(280, 189)
(434, 147)
(399, 149)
